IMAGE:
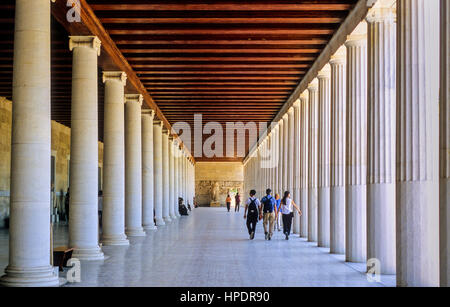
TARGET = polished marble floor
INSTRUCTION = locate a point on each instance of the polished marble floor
(211, 248)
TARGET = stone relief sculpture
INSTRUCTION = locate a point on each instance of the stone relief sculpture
(215, 191)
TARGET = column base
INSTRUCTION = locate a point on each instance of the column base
(115, 240)
(29, 277)
(150, 228)
(167, 219)
(135, 232)
(173, 217)
(88, 254)
(160, 222)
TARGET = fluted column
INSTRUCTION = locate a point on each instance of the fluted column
(445, 145)
(313, 137)
(165, 176)
(296, 164)
(83, 219)
(158, 172)
(304, 164)
(113, 217)
(148, 222)
(176, 168)
(323, 164)
(31, 150)
(337, 161)
(356, 146)
(417, 143)
(286, 150)
(381, 106)
(280, 157)
(171, 180)
(133, 166)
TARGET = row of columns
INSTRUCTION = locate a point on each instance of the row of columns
(145, 170)
(368, 143)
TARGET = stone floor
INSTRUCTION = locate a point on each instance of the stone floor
(211, 248)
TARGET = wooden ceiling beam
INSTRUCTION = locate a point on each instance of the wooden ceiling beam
(206, 20)
(313, 6)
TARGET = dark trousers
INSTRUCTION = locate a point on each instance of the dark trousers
(236, 208)
(228, 206)
(252, 220)
(287, 222)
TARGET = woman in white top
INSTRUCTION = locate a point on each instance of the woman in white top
(287, 209)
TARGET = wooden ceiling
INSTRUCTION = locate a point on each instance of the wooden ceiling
(228, 60)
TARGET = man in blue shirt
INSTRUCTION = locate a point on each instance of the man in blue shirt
(269, 208)
(278, 219)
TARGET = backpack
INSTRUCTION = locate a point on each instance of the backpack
(268, 204)
(252, 208)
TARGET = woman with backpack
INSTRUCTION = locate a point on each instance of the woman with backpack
(287, 206)
(252, 207)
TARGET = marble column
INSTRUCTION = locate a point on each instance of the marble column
(445, 145)
(30, 151)
(356, 146)
(148, 221)
(157, 172)
(337, 160)
(133, 166)
(381, 109)
(113, 217)
(290, 172)
(176, 176)
(417, 153)
(171, 180)
(323, 164)
(83, 219)
(280, 160)
(313, 138)
(296, 164)
(165, 176)
(286, 149)
(304, 164)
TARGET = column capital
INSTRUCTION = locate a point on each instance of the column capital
(115, 76)
(157, 122)
(85, 41)
(297, 103)
(383, 10)
(290, 111)
(359, 36)
(285, 116)
(137, 98)
(314, 85)
(304, 96)
(339, 57)
(325, 73)
(165, 130)
(149, 112)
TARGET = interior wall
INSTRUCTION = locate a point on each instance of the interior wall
(228, 175)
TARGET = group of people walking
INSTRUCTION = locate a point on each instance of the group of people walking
(269, 209)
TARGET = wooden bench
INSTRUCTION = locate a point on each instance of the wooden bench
(61, 255)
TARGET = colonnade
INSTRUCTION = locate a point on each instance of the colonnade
(145, 168)
(370, 126)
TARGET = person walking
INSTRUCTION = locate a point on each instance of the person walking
(268, 208)
(237, 199)
(252, 207)
(287, 206)
(228, 201)
(277, 215)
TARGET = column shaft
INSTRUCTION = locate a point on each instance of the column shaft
(417, 143)
(356, 146)
(313, 138)
(171, 180)
(148, 222)
(165, 176)
(83, 218)
(29, 259)
(323, 165)
(337, 161)
(133, 166)
(157, 172)
(280, 160)
(113, 217)
(296, 164)
(381, 106)
(304, 165)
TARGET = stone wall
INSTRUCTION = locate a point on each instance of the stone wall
(60, 150)
(228, 175)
